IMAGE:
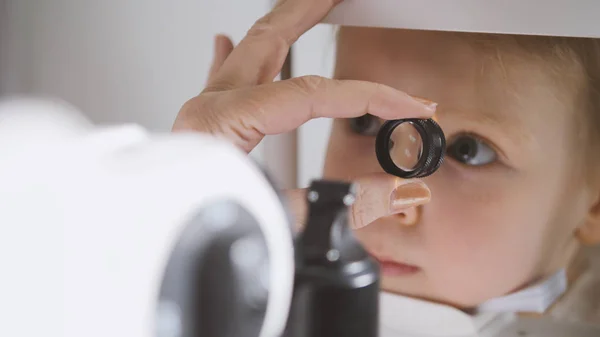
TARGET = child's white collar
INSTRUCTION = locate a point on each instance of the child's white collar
(537, 298)
(403, 316)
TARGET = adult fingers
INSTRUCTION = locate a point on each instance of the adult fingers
(261, 54)
(378, 195)
(245, 116)
(285, 105)
(222, 48)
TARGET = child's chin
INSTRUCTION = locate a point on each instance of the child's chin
(410, 285)
(414, 287)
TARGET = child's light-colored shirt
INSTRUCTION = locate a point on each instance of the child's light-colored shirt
(576, 313)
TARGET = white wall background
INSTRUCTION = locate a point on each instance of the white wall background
(139, 60)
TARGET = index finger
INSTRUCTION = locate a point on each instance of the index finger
(260, 55)
(294, 17)
(284, 106)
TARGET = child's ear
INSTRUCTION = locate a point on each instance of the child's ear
(589, 233)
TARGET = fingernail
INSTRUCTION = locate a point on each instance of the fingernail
(431, 106)
(409, 195)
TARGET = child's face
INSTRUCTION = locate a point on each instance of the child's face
(504, 205)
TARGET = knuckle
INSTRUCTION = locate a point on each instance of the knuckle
(372, 96)
(360, 196)
(192, 107)
(265, 22)
(221, 83)
(311, 83)
(200, 110)
(264, 29)
(376, 89)
(218, 86)
(358, 210)
(261, 28)
(358, 217)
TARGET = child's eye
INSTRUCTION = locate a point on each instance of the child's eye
(472, 151)
(367, 125)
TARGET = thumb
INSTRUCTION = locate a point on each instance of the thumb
(377, 195)
(380, 195)
(223, 47)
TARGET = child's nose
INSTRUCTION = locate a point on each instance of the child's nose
(408, 200)
(409, 216)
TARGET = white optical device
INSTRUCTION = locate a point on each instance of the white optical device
(523, 17)
(118, 232)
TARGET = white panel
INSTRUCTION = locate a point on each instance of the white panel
(280, 153)
(538, 17)
(314, 55)
(313, 137)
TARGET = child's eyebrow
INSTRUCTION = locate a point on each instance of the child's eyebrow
(512, 125)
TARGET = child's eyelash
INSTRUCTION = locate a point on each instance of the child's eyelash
(367, 125)
(499, 157)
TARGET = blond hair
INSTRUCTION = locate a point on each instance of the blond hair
(573, 63)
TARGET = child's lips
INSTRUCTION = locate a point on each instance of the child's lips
(394, 268)
(397, 269)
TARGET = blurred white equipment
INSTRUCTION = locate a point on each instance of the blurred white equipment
(110, 232)
(530, 17)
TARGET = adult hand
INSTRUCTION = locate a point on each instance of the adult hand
(242, 103)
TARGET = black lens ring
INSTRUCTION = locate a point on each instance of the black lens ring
(438, 145)
(433, 143)
(382, 148)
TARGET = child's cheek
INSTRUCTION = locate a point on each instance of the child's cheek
(341, 166)
(349, 155)
(467, 259)
(457, 222)
(477, 239)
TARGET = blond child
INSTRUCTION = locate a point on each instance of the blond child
(519, 193)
